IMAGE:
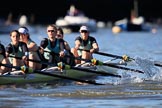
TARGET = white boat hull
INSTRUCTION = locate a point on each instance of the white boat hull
(37, 78)
(73, 23)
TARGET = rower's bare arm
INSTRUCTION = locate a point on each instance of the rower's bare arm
(67, 46)
(95, 48)
(62, 50)
(77, 44)
(32, 46)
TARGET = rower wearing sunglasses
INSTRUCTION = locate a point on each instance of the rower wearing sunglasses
(52, 47)
(85, 45)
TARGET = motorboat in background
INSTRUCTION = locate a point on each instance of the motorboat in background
(135, 23)
(74, 19)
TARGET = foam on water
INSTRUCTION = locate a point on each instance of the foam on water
(151, 71)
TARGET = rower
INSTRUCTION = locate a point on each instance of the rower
(85, 45)
(33, 48)
(69, 59)
(52, 47)
(17, 49)
(3, 60)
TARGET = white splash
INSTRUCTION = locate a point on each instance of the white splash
(149, 68)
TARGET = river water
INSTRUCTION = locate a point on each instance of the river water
(134, 90)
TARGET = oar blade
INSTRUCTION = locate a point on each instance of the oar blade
(158, 63)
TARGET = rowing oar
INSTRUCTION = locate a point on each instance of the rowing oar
(124, 57)
(78, 58)
(157, 64)
(114, 65)
(75, 68)
(51, 64)
(67, 67)
(97, 62)
(29, 70)
(36, 61)
(104, 54)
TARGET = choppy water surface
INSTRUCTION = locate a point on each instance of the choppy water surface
(132, 90)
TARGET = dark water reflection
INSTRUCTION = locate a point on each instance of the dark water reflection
(70, 95)
(42, 95)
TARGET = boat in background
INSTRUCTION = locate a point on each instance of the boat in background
(74, 20)
(6, 26)
(135, 23)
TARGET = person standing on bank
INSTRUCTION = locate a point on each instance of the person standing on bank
(33, 48)
(85, 45)
(52, 47)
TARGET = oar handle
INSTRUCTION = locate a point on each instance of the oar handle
(27, 59)
(36, 61)
(10, 66)
(104, 54)
(110, 55)
(68, 56)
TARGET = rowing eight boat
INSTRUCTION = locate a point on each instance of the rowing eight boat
(17, 78)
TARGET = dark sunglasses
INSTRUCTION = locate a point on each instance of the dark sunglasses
(84, 31)
(59, 35)
(50, 30)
